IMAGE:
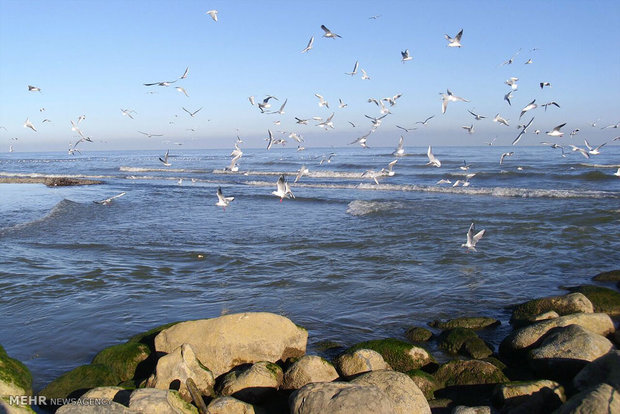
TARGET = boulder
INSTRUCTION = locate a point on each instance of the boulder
(611, 276)
(15, 378)
(535, 397)
(473, 322)
(483, 409)
(453, 339)
(176, 367)
(229, 405)
(252, 384)
(400, 355)
(524, 338)
(123, 359)
(231, 340)
(544, 316)
(307, 369)
(117, 394)
(604, 369)
(361, 360)
(417, 334)
(563, 305)
(604, 299)
(472, 372)
(110, 407)
(602, 399)
(476, 348)
(425, 382)
(7, 408)
(76, 382)
(340, 398)
(155, 401)
(564, 351)
(405, 395)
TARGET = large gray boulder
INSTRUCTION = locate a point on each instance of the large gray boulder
(231, 340)
(404, 393)
(307, 369)
(534, 397)
(605, 369)
(362, 360)
(109, 408)
(155, 401)
(253, 384)
(229, 405)
(340, 398)
(563, 305)
(602, 399)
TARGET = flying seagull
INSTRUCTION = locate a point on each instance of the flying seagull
(550, 103)
(309, 46)
(426, 120)
(476, 116)
(500, 120)
(454, 41)
(192, 113)
(405, 55)
(265, 104)
(528, 107)
(128, 112)
(523, 131)
(449, 97)
(182, 90)
(33, 89)
(109, 200)
(555, 132)
(150, 135)
(322, 101)
(400, 150)
(184, 75)
(213, 14)
(329, 33)
(303, 170)
(432, 159)
(504, 155)
(354, 69)
(282, 189)
(221, 200)
(165, 159)
(29, 124)
(472, 238)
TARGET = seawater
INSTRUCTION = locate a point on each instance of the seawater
(348, 259)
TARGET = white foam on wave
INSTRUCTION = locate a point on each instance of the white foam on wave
(40, 175)
(363, 208)
(142, 169)
(311, 173)
(600, 165)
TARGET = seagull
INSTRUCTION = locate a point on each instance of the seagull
(406, 129)
(593, 151)
(301, 121)
(375, 17)
(322, 101)
(364, 74)
(165, 159)
(617, 173)
(29, 124)
(46, 120)
(508, 97)
(470, 129)
(127, 112)
(327, 123)
(327, 159)
(612, 126)
(33, 89)
(500, 120)
(354, 69)
(182, 90)
(251, 99)
(390, 169)
(372, 174)
(352, 124)
(523, 131)
(405, 55)
(213, 14)
(362, 140)
(281, 110)
(456, 40)
(528, 107)
(550, 103)
(444, 181)
(233, 164)
(574, 132)
(555, 132)
(400, 150)
(163, 83)
(376, 121)
(265, 104)
(392, 100)
(476, 116)
(151, 135)
(449, 97)
(184, 75)
(309, 46)
(282, 189)
(270, 140)
(512, 82)
(543, 84)
(236, 151)
(465, 166)
(580, 150)
(432, 160)
(192, 113)
(221, 200)
(342, 104)
(300, 148)
(504, 155)
(109, 200)
(426, 120)
(329, 33)
(491, 142)
(529, 61)
(473, 239)
(303, 170)
(509, 61)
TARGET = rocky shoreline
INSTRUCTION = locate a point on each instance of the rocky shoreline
(49, 181)
(561, 356)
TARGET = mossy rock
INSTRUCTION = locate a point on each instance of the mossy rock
(400, 355)
(492, 360)
(605, 300)
(323, 346)
(417, 334)
(425, 382)
(473, 322)
(611, 276)
(15, 377)
(476, 348)
(124, 359)
(148, 338)
(77, 381)
(452, 340)
(524, 313)
(472, 372)
(7, 407)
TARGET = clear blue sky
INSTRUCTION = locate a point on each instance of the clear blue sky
(92, 57)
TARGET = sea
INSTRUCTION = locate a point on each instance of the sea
(348, 258)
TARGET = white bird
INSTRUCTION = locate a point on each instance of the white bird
(269, 139)
(236, 151)
(400, 150)
(543, 84)
(426, 120)
(182, 90)
(376, 121)
(233, 164)
(29, 124)
(309, 46)
(184, 75)
(281, 110)
(528, 107)
(500, 120)
(151, 135)
(213, 14)
(390, 169)
(322, 101)
(550, 103)
(449, 97)
(508, 97)
(491, 142)
(444, 181)
(362, 140)
(329, 33)
(364, 74)
(109, 200)
(454, 41)
(470, 128)
(472, 238)
(327, 123)
(580, 150)
(432, 160)
(33, 89)
(555, 132)
(342, 104)
(303, 170)
(128, 112)
(574, 132)
(165, 159)
(354, 69)
(296, 137)
(300, 148)
(251, 99)
(372, 174)
(405, 55)
(523, 131)
(327, 158)
(529, 61)
(504, 155)
(592, 150)
(405, 129)
(465, 166)
(512, 82)
(221, 200)
(301, 121)
(192, 113)
(392, 100)
(265, 104)
(617, 173)
(282, 189)
(476, 116)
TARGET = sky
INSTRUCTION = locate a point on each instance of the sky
(92, 58)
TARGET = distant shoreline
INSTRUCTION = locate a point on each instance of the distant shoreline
(49, 181)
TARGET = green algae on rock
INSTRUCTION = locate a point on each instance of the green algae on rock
(603, 299)
(124, 359)
(77, 381)
(473, 322)
(15, 377)
(400, 355)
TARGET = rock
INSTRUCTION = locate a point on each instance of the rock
(483, 409)
(86, 408)
(604, 369)
(476, 348)
(15, 377)
(602, 399)
(474, 322)
(604, 299)
(425, 382)
(229, 405)
(544, 316)
(564, 351)
(535, 397)
(123, 359)
(323, 346)
(523, 338)
(417, 334)
(453, 339)
(74, 383)
(117, 394)
(472, 372)
(361, 360)
(155, 401)
(7, 408)
(400, 355)
(253, 384)
(231, 340)
(611, 276)
(307, 369)
(405, 395)
(176, 367)
(340, 398)
(563, 305)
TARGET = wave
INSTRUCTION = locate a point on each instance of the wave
(311, 174)
(364, 208)
(63, 208)
(40, 175)
(600, 165)
(144, 169)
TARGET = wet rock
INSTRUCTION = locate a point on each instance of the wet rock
(472, 372)
(563, 305)
(474, 322)
(544, 316)
(425, 382)
(400, 355)
(76, 382)
(602, 399)
(252, 384)
(476, 348)
(307, 369)
(108, 408)
(229, 405)
(361, 360)
(535, 397)
(604, 369)
(15, 378)
(123, 359)
(611, 276)
(231, 340)
(340, 398)
(405, 395)
(176, 367)
(604, 299)
(453, 339)
(155, 401)
(417, 334)
(7, 408)
(483, 409)
(66, 181)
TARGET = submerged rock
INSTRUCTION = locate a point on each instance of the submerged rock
(473, 322)
(400, 355)
(417, 334)
(602, 399)
(611, 276)
(340, 398)
(604, 369)
(361, 360)
(405, 395)
(563, 305)
(453, 339)
(307, 369)
(604, 299)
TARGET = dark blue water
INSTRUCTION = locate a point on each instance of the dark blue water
(347, 258)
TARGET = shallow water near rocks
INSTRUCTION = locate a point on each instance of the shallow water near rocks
(348, 259)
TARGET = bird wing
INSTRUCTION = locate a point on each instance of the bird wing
(478, 236)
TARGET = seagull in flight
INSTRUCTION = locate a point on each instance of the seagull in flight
(327, 123)
(406, 129)
(550, 103)
(265, 104)
(109, 200)
(281, 110)
(165, 159)
(354, 69)
(528, 107)
(454, 41)
(184, 75)
(405, 55)
(432, 160)
(151, 135)
(449, 97)
(543, 84)
(476, 116)
(303, 170)
(322, 101)
(365, 75)
(342, 104)
(500, 120)
(309, 46)
(192, 113)
(592, 150)
(512, 82)
(221, 200)
(508, 97)
(33, 89)
(555, 132)
(329, 33)
(282, 189)
(504, 155)
(472, 238)
(362, 140)
(400, 150)
(523, 131)
(182, 90)
(29, 124)
(426, 120)
(301, 121)
(213, 14)
(128, 112)
(470, 128)
(580, 150)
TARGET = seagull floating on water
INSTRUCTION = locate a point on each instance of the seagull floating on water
(472, 238)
